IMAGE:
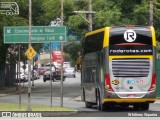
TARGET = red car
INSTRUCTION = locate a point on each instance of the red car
(41, 70)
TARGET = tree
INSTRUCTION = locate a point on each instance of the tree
(72, 49)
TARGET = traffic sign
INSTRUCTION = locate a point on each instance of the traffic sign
(30, 53)
(39, 34)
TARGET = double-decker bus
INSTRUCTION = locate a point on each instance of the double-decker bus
(118, 67)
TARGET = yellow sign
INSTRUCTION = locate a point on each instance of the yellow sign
(30, 53)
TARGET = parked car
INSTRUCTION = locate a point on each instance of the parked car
(70, 72)
(34, 75)
(41, 70)
(21, 78)
(46, 75)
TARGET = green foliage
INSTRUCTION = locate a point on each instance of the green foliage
(158, 47)
(141, 13)
(72, 49)
(113, 12)
(8, 21)
(108, 13)
(107, 18)
(77, 26)
(18, 20)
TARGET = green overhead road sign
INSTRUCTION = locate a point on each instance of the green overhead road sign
(40, 34)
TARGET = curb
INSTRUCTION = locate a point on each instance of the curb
(77, 98)
(58, 114)
(2, 95)
(157, 101)
(15, 93)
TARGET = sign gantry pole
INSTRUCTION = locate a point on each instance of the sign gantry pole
(51, 73)
(61, 103)
(19, 80)
(151, 13)
(29, 64)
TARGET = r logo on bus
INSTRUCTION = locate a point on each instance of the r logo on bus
(130, 36)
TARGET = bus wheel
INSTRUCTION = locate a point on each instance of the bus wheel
(88, 104)
(83, 95)
(99, 105)
(145, 106)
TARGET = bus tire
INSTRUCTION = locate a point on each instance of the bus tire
(98, 99)
(100, 106)
(83, 95)
(145, 106)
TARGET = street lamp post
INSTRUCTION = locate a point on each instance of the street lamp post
(29, 64)
(151, 12)
(61, 104)
(90, 14)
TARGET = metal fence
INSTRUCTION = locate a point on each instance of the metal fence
(2, 76)
(7, 75)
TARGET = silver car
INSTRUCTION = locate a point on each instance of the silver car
(70, 72)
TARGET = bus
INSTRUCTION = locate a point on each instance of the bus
(118, 67)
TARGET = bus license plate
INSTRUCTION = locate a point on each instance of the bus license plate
(131, 95)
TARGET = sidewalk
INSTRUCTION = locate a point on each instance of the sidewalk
(8, 90)
(157, 101)
(13, 90)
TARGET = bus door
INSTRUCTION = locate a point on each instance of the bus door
(90, 76)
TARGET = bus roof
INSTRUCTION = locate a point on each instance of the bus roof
(103, 29)
(95, 31)
(107, 29)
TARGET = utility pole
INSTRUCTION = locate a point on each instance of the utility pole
(19, 59)
(90, 14)
(61, 104)
(151, 13)
(51, 86)
(29, 64)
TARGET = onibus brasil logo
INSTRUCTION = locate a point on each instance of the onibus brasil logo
(9, 8)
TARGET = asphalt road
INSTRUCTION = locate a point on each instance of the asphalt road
(41, 93)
